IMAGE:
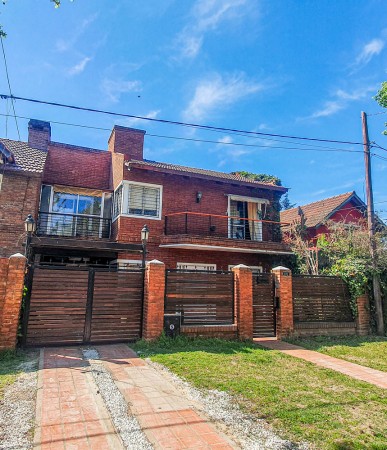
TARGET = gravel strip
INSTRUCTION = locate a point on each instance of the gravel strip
(17, 409)
(126, 425)
(251, 433)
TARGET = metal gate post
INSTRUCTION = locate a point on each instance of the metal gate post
(89, 306)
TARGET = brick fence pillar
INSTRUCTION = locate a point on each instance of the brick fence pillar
(11, 295)
(154, 292)
(243, 298)
(363, 315)
(284, 291)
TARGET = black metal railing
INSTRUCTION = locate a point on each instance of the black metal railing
(213, 225)
(72, 225)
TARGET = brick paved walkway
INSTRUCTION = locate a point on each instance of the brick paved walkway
(72, 415)
(372, 376)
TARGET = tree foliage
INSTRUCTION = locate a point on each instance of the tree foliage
(381, 98)
(344, 251)
(285, 203)
(260, 177)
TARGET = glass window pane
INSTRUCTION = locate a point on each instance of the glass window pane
(89, 205)
(64, 203)
(45, 198)
(144, 201)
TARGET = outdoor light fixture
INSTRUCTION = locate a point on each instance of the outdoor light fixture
(144, 240)
(199, 196)
(29, 226)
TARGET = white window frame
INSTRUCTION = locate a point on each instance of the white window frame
(255, 269)
(128, 263)
(125, 198)
(242, 198)
(192, 266)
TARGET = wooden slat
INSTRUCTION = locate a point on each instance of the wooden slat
(320, 299)
(263, 306)
(201, 297)
(117, 300)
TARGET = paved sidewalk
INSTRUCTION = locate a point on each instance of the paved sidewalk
(71, 413)
(372, 376)
(168, 419)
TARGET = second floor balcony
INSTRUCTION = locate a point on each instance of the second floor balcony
(222, 227)
(73, 226)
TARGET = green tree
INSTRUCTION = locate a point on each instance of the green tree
(381, 98)
(260, 177)
(285, 203)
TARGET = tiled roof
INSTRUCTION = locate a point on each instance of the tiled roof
(316, 212)
(26, 158)
(204, 172)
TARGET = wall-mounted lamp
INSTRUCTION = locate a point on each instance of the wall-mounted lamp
(144, 240)
(30, 227)
(199, 196)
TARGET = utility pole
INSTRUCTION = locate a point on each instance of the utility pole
(371, 227)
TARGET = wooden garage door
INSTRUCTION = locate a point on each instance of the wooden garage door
(263, 305)
(57, 306)
(116, 311)
(75, 306)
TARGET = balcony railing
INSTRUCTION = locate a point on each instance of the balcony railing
(228, 227)
(73, 225)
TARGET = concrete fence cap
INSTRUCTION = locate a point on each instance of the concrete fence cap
(155, 261)
(241, 266)
(17, 255)
(281, 268)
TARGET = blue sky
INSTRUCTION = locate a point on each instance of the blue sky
(292, 67)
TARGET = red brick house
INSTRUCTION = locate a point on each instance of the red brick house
(345, 208)
(21, 169)
(94, 203)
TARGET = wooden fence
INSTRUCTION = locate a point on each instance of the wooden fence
(320, 299)
(202, 297)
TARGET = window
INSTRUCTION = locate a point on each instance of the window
(138, 200)
(195, 266)
(255, 269)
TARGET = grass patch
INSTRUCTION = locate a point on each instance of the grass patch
(9, 367)
(369, 351)
(305, 402)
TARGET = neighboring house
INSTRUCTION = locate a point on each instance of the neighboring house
(21, 169)
(94, 204)
(346, 208)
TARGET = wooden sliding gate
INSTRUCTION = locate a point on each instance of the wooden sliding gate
(264, 323)
(80, 305)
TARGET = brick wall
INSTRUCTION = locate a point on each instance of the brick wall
(243, 295)
(128, 141)
(12, 272)
(70, 165)
(363, 315)
(39, 134)
(154, 291)
(19, 196)
(284, 291)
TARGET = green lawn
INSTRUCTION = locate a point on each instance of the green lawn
(370, 351)
(305, 402)
(9, 363)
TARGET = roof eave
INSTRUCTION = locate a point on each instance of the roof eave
(270, 187)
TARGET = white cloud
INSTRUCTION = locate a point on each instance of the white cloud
(217, 92)
(340, 101)
(63, 45)
(225, 140)
(369, 50)
(206, 16)
(113, 89)
(80, 67)
(133, 121)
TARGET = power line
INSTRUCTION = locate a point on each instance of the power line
(9, 86)
(173, 122)
(237, 144)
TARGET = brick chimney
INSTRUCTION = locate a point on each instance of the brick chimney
(128, 141)
(39, 134)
